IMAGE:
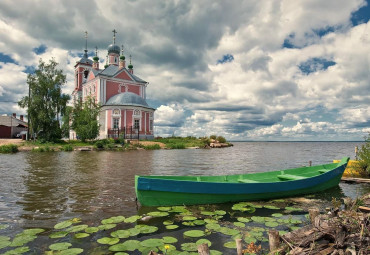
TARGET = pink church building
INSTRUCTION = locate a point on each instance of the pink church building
(121, 94)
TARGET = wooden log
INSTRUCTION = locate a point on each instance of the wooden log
(274, 239)
(203, 249)
(364, 209)
(239, 246)
(313, 212)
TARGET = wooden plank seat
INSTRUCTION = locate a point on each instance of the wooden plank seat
(290, 177)
(247, 181)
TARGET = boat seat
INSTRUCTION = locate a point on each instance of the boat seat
(247, 181)
(290, 177)
(324, 171)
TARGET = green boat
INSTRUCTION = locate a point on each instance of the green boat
(190, 190)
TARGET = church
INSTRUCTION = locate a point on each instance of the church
(121, 94)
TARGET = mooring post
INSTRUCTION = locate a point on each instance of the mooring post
(203, 249)
(274, 239)
(310, 163)
(239, 247)
(313, 213)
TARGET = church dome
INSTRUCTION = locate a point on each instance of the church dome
(114, 49)
(127, 98)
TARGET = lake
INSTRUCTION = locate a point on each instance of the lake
(38, 190)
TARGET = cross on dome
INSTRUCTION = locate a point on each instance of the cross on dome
(114, 35)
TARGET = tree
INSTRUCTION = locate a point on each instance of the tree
(66, 119)
(46, 102)
(84, 117)
(364, 156)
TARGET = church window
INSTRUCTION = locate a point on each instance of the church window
(136, 124)
(115, 123)
(86, 72)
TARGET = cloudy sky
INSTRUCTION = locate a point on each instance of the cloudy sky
(247, 70)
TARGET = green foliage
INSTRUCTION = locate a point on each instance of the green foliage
(46, 102)
(67, 147)
(85, 121)
(10, 148)
(221, 139)
(152, 147)
(213, 137)
(66, 117)
(364, 156)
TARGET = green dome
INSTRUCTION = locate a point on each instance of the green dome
(96, 58)
(130, 66)
(106, 66)
(122, 57)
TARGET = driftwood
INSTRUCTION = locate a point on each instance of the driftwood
(239, 246)
(203, 249)
(337, 232)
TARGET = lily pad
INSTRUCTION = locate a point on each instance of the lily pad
(167, 222)
(258, 219)
(220, 212)
(19, 250)
(81, 235)
(271, 224)
(63, 224)
(210, 221)
(91, 230)
(145, 229)
(147, 250)
(288, 208)
(231, 245)
(4, 243)
(121, 253)
(272, 207)
(115, 219)
(188, 223)
(108, 240)
(178, 209)
(189, 247)
(132, 219)
(167, 248)
(22, 239)
(121, 233)
(207, 213)
(194, 233)
(202, 241)
(215, 252)
(3, 226)
(169, 239)
(250, 239)
(134, 231)
(277, 215)
(199, 222)
(72, 251)
(171, 227)
(158, 214)
(129, 245)
(164, 208)
(107, 226)
(189, 218)
(77, 228)
(213, 226)
(4, 238)
(59, 246)
(239, 224)
(153, 242)
(59, 234)
(243, 219)
(33, 231)
(228, 231)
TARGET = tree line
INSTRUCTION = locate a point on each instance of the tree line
(50, 118)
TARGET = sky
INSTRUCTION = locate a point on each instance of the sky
(256, 70)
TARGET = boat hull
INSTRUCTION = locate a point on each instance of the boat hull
(167, 192)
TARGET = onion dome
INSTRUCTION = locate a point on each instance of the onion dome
(96, 58)
(114, 49)
(106, 66)
(122, 57)
(130, 66)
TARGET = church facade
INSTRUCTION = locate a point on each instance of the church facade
(121, 94)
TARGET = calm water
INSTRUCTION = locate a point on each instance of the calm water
(41, 189)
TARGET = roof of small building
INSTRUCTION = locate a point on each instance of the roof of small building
(85, 59)
(128, 98)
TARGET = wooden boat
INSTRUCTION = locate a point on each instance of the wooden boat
(190, 190)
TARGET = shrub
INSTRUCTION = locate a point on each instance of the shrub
(99, 144)
(364, 156)
(152, 147)
(67, 147)
(10, 148)
(221, 139)
(176, 146)
(213, 137)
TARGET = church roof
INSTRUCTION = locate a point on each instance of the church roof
(112, 70)
(85, 59)
(128, 98)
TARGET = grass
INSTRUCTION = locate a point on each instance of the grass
(152, 147)
(182, 142)
(10, 148)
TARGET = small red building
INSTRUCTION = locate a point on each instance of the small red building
(121, 94)
(10, 125)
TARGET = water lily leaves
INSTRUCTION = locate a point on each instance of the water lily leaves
(202, 241)
(243, 219)
(288, 208)
(220, 212)
(158, 214)
(244, 207)
(108, 240)
(59, 246)
(179, 209)
(129, 245)
(239, 224)
(122, 233)
(3, 226)
(107, 226)
(258, 219)
(215, 252)
(228, 231)
(147, 250)
(194, 233)
(282, 232)
(4, 243)
(91, 230)
(59, 234)
(153, 242)
(33, 231)
(72, 251)
(145, 229)
(169, 239)
(121, 253)
(115, 219)
(271, 224)
(188, 223)
(189, 247)
(272, 207)
(77, 228)
(164, 208)
(294, 228)
(22, 239)
(167, 248)
(207, 213)
(171, 227)
(199, 222)
(167, 222)
(210, 221)
(189, 218)
(277, 215)
(213, 226)
(19, 250)
(134, 231)
(132, 219)
(63, 224)
(81, 235)
(231, 245)
(250, 239)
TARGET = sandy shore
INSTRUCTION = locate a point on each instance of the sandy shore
(10, 141)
